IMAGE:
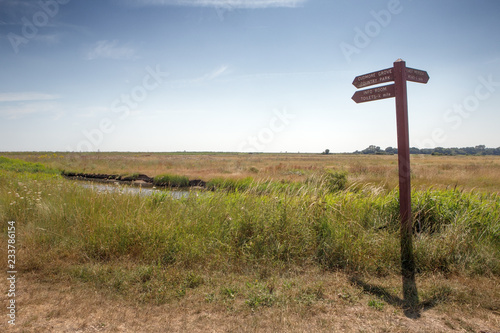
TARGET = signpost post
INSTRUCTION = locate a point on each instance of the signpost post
(399, 74)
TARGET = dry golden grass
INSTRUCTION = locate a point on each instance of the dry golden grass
(46, 305)
(465, 172)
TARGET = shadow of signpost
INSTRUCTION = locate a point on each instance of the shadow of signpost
(410, 310)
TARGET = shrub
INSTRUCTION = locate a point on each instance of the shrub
(254, 169)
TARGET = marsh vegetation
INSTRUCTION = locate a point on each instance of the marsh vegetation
(271, 233)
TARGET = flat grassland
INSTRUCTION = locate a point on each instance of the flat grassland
(465, 172)
(310, 243)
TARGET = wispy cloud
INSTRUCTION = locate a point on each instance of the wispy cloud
(26, 96)
(284, 75)
(24, 109)
(492, 60)
(111, 50)
(222, 3)
(20, 104)
(217, 72)
(211, 75)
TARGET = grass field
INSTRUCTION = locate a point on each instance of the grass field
(295, 243)
(442, 172)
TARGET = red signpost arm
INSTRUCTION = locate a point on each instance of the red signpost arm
(407, 259)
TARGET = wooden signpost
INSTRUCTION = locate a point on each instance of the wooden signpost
(399, 74)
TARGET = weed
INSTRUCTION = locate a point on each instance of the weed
(210, 297)
(228, 292)
(376, 304)
(311, 294)
(260, 295)
(181, 292)
(192, 280)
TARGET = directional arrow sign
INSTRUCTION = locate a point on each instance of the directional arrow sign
(416, 75)
(385, 75)
(374, 94)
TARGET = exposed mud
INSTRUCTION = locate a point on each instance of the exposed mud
(135, 179)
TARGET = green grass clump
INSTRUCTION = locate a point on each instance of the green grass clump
(9, 164)
(376, 304)
(335, 180)
(260, 295)
(171, 180)
(230, 184)
(328, 182)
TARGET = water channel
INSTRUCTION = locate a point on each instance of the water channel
(127, 189)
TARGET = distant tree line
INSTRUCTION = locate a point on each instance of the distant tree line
(477, 150)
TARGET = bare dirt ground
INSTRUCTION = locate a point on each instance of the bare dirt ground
(62, 306)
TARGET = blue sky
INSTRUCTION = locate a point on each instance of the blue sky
(242, 75)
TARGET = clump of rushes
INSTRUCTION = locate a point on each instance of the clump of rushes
(336, 180)
(171, 180)
(230, 184)
(253, 170)
(330, 180)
